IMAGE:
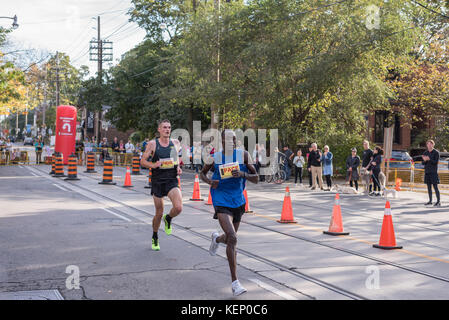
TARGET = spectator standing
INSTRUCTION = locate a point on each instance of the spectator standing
(298, 161)
(352, 167)
(38, 146)
(374, 167)
(257, 158)
(309, 167)
(315, 166)
(8, 150)
(104, 148)
(431, 157)
(196, 156)
(328, 169)
(116, 149)
(367, 157)
(262, 159)
(288, 157)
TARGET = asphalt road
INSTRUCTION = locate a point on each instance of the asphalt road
(47, 224)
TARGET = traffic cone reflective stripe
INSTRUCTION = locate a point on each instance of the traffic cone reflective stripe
(336, 224)
(387, 238)
(287, 212)
(247, 209)
(127, 179)
(196, 190)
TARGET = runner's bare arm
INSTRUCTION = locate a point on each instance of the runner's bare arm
(206, 168)
(149, 151)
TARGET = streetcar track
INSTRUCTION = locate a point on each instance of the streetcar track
(295, 272)
(272, 263)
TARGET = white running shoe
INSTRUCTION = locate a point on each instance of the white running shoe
(237, 288)
(213, 244)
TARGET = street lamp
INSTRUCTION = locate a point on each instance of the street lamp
(15, 25)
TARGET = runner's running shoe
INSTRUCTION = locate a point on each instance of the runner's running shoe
(213, 245)
(168, 228)
(237, 288)
(155, 244)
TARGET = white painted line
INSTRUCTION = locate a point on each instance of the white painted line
(117, 215)
(34, 174)
(63, 189)
(272, 289)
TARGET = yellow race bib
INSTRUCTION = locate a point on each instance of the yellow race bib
(226, 169)
(167, 163)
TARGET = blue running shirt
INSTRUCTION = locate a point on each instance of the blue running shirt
(229, 192)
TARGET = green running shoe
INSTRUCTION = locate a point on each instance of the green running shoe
(168, 228)
(155, 244)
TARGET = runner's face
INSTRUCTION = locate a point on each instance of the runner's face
(165, 129)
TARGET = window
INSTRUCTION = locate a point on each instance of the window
(381, 122)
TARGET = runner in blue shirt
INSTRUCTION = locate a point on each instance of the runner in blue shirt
(232, 167)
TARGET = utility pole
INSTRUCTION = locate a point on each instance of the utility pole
(100, 51)
(100, 69)
(57, 78)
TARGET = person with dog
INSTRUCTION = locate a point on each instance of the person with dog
(352, 166)
(431, 157)
(366, 160)
(374, 166)
(326, 160)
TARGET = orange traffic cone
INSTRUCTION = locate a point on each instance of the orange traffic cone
(398, 184)
(179, 183)
(127, 179)
(209, 199)
(247, 210)
(336, 225)
(387, 238)
(196, 190)
(287, 212)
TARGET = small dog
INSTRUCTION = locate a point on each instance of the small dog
(386, 192)
(382, 180)
(344, 189)
(366, 178)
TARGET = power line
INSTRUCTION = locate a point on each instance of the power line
(130, 30)
(117, 29)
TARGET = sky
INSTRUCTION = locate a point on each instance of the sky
(68, 26)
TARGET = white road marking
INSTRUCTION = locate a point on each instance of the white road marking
(58, 186)
(34, 174)
(117, 215)
(272, 289)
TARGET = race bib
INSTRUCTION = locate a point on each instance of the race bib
(167, 163)
(226, 169)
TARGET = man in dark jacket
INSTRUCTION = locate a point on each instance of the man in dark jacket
(366, 160)
(431, 157)
(315, 166)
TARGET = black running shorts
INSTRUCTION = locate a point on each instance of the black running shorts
(161, 188)
(235, 213)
